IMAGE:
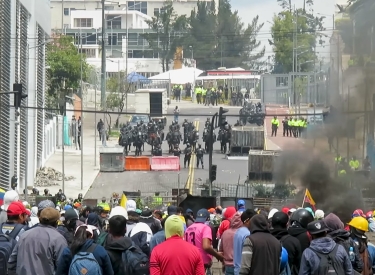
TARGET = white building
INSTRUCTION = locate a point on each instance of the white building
(61, 9)
(24, 26)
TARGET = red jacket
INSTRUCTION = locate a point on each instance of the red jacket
(176, 257)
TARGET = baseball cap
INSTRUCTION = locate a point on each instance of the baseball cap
(172, 210)
(241, 202)
(88, 229)
(16, 208)
(49, 214)
(44, 204)
(202, 215)
(317, 227)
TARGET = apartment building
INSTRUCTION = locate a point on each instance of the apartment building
(24, 30)
(61, 9)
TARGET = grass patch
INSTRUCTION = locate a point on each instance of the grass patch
(114, 133)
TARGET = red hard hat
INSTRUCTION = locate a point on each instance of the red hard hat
(358, 213)
(369, 214)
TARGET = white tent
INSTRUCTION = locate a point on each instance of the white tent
(179, 76)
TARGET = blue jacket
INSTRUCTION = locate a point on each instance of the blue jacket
(99, 253)
(371, 225)
(158, 238)
(310, 261)
(238, 241)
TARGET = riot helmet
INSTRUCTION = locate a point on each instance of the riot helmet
(302, 217)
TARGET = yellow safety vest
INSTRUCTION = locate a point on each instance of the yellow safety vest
(354, 164)
(275, 122)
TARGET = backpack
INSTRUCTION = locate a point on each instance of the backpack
(84, 263)
(328, 265)
(135, 261)
(7, 243)
(102, 238)
(286, 270)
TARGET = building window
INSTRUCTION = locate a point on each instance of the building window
(158, 11)
(133, 39)
(282, 81)
(112, 39)
(114, 22)
(130, 53)
(109, 8)
(90, 53)
(66, 11)
(83, 22)
(140, 6)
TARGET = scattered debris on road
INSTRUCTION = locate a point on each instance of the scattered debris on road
(47, 176)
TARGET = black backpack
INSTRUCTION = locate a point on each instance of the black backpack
(135, 261)
(328, 264)
(7, 243)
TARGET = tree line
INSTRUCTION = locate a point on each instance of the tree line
(213, 36)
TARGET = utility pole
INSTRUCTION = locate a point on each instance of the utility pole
(104, 69)
(126, 57)
(81, 132)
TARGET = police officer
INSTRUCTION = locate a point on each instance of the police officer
(187, 153)
(199, 153)
(176, 151)
(275, 125)
(157, 151)
(354, 163)
(285, 126)
(79, 199)
(46, 192)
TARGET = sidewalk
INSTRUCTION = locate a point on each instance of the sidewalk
(72, 162)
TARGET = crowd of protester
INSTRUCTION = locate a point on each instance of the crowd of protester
(47, 240)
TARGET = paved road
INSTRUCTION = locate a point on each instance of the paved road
(151, 181)
(229, 172)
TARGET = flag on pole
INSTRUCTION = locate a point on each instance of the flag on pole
(124, 199)
(308, 199)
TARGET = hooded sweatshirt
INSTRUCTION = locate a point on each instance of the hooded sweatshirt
(341, 236)
(114, 248)
(131, 222)
(34, 216)
(301, 234)
(261, 251)
(225, 224)
(227, 239)
(292, 245)
(238, 241)
(9, 197)
(310, 260)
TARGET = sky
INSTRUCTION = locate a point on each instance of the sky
(266, 9)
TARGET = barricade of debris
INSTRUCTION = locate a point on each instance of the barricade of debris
(47, 176)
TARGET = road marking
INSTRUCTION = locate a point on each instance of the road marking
(192, 164)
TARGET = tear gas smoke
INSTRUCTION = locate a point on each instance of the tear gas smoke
(329, 194)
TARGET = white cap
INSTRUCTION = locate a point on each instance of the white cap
(272, 212)
(131, 205)
(291, 210)
(119, 211)
(319, 214)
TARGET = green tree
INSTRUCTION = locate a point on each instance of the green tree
(283, 191)
(307, 28)
(64, 70)
(118, 89)
(224, 40)
(167, 30)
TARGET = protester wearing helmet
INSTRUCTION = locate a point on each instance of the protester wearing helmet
(371, 222)
(358, 227)
(279, 223)
(358, 213)
(337, 232)
(298, 224)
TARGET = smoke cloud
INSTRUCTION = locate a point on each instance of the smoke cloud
(308, 170)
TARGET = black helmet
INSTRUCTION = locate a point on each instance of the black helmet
(279, 219)
(46, 191)
(302, 217)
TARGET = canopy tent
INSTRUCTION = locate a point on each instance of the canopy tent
(179, 76)
(134, 78)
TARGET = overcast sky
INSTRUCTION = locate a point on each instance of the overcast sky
(266, 9)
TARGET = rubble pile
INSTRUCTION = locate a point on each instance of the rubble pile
(47, 176)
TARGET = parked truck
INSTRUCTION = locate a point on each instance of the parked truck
(152, 102)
